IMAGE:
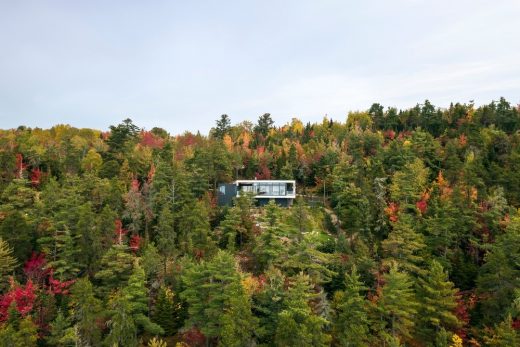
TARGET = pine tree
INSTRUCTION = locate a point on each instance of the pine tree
(238, 323)
(404, 246)
(437, 301)
(397, 305)
(505, 335)
(89, 238)
(500, 275)
(123, 329)
(137, 296)
(350, 321)
(85, 310)
(168, 311)
(61, 333)
(269, 248)
(409, 183)
(116, 267)
(62, 253)
(232, 229)
(194, 229)
(208, 290)
(300, 218)
(297, 324)
(7, 263)
(268, 304)
(22, 333)
(166, 235)
(223, 126)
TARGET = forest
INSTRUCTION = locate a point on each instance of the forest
(405, 232)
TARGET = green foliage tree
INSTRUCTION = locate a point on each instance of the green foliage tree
(437, 300)
(504, 335)
(297, 324)
(123, 329)
(25, 334)
(85, 310)
(397, 306)
(168, 311)
(7, 262)
(404, 246)
(137, 296)
(223, 126)
(116, 267)
(265, 123)
(500, 275)
(209, 287)
(350, 320)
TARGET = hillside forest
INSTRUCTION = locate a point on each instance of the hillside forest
(405, 232)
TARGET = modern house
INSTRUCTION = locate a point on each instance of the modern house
(283, 192)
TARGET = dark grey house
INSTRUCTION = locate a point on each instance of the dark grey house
(283, 192)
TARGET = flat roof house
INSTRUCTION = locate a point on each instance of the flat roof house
(283, 192)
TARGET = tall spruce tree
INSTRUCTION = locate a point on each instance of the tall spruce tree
(437, 300)
(397, 306)
(350, 320)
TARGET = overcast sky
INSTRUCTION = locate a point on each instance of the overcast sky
(181, 64)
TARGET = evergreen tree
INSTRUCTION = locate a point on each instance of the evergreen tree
(404, 246)
(350, 321)
(168, 311)
(397, 305)
(504, 335)
(437, 300)
(500, 276)
(409, 183)
(232, 229)
(238, 323)
(85, 310)
(297, 324)
(116, 266)
(61, 251)
(209, 287)
(223, 126)
(137, 296)
(265, 123)
(166, 235)
(123, 329)
(61, 333)
(7, 262)
(194, 229)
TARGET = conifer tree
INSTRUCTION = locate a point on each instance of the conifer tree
(397, 305)
(61, 251)
(116, 267)
(238, 323)
(137, 296)
(7, 262)
(500, 276)
(85, 310)
(350, 321)
(504, 335)
(436, 296)
(166, 235)
(168, 311)
(123, 329)
(409, 183)
(232, 229)
(61, 333)
(208, 290)
(404, 246)
(194, 229)
(297, 324)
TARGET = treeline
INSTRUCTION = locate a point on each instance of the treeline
(407, 233)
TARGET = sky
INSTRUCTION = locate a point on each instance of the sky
(179, 64)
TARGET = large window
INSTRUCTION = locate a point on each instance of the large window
(268, 188)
